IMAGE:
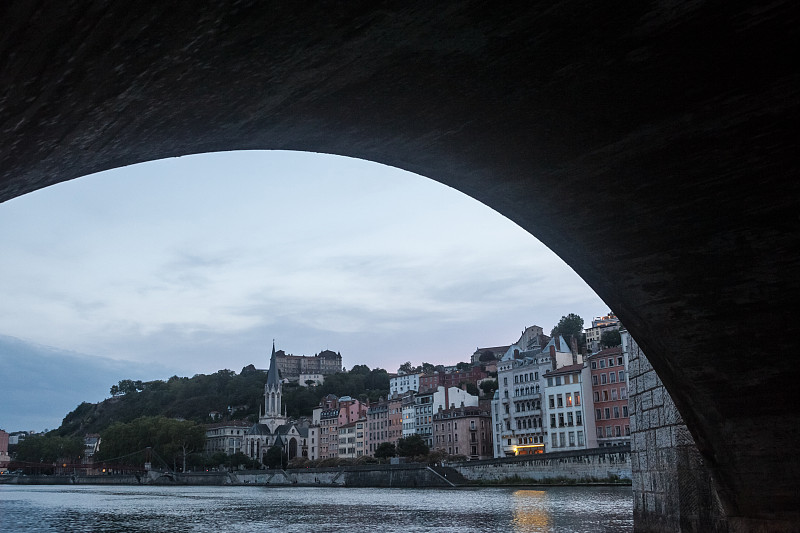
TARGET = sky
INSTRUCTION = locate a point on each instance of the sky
(190, 265)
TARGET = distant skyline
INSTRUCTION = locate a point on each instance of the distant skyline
(197, 263)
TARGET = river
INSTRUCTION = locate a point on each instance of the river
(297, 509)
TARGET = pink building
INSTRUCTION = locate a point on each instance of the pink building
(463, 431)
(610, 394)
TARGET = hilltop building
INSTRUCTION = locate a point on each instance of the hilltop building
(291, 367)
(610, 322)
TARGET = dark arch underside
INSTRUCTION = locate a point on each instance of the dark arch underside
(650, 144)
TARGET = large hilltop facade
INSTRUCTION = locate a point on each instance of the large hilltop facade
(293, 366)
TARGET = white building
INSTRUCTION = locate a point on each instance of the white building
(317, 379)
(518, 415)
(403, 383)
(567, 401)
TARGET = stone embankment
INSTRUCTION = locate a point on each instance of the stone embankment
(598, 465)
(603, 465)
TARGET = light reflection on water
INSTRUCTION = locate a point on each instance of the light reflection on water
(295, 509)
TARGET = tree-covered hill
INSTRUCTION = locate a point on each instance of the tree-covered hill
(234, 396)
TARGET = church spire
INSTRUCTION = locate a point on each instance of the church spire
(272, 373)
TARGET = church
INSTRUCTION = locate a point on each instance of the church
(274, 428)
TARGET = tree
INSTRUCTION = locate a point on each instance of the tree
(171, 439)
(428, 368)
(472, 389)
(385, 450)
(412, 446)
(488, 386)
(569, 326)
(405, 368)
(486, 356)
(49, 448)
(310, 382)
(610, 338)
(463, 366)
(274, 458)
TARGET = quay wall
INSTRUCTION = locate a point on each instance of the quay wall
(611, 464)
(672, 488)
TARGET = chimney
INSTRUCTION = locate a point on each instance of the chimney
(574, 350)
(558, 342)
(553, 357)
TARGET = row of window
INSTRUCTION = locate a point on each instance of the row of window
(558, 400)
(601, 363)
(532, 405)
(603, 396)
(610, 378)
(569, 420)
(598, 413)
(613, 431)
(559, 440)
(527, 391)
(524, 378)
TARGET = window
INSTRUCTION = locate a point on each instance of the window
(577, 398)
(536, 376)
(605, 395)
(505, 381)
(613, 394)
(552, 401)
(594, 380)
(578, 418)
(609, 431)
(572, 438)
(558, 380)
(552, 420)
(619, 360)
(516, 379)
(607, 412)
(612, 377)
(580, 438)
(623, 392)
(622, 375)
(549, 382)
(610, 362)
(616, 412)
(569, 418)
(562, 441)
(603, 379)
(602, 363)
(569, 399)
(598, 415)
(596, 396)
(560, 419)
(560, 400)
(594, 365)
(617, 431)
(625, 410)
(600, 432)
(627, 431)
(554, 439)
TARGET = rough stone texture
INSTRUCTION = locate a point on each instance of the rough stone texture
(580, 465)
(672, 488)
(651, 145)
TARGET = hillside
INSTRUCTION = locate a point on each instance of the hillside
(194, 398)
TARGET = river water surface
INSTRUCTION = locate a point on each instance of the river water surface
(294, 509)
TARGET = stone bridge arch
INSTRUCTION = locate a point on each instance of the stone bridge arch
(650, 145)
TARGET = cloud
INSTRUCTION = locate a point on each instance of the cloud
(41, 384)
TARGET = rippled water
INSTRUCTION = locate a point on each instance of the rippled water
(319, 509)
